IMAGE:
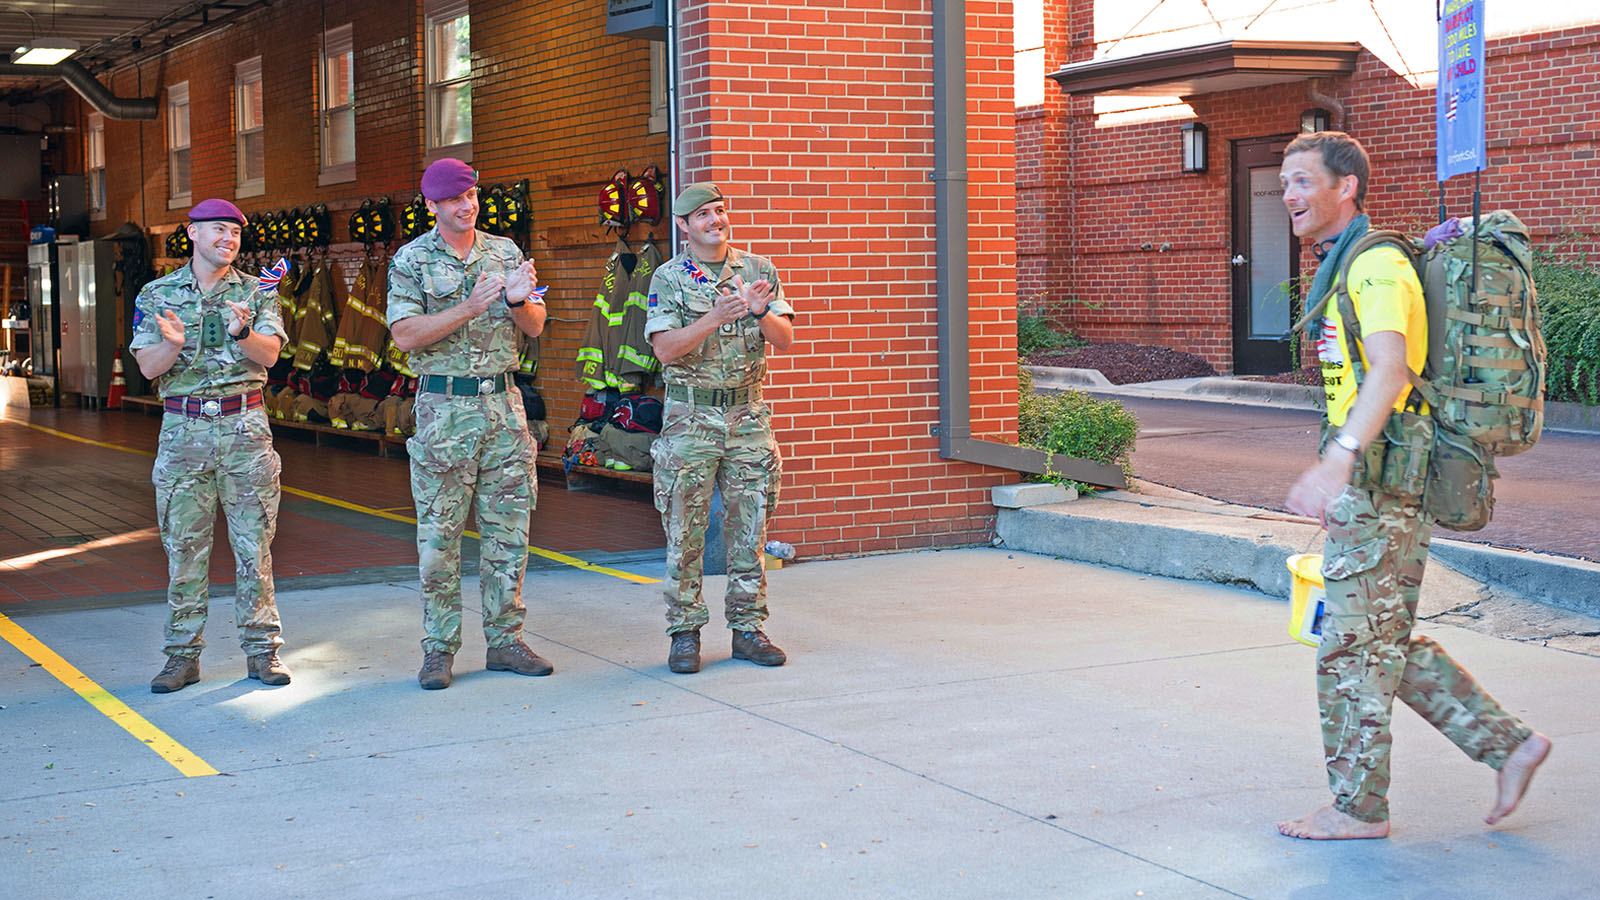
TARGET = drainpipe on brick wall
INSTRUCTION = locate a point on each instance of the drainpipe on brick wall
(671, 54)
(949, 176)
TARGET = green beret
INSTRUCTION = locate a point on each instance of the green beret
(695, 196)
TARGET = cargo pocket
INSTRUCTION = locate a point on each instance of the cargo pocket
(446, 435)
(1353, 524)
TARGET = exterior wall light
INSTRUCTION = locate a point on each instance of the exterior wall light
(1194, 147)
(1315, 119)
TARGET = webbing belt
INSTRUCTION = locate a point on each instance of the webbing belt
(464, 385)
(713, 396)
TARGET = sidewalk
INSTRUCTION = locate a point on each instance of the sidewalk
(975, 723)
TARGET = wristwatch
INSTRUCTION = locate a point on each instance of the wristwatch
(516, 305)
(764, 310)
(1348, 441)
(241, 335)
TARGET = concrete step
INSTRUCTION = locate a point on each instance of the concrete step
(1161, 531)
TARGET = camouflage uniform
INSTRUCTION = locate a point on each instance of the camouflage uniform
(470, 453)
(1373, 560)
(710, 441)
(203, 460)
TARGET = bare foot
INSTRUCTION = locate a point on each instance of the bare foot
(1516, 774)
(1328, 824)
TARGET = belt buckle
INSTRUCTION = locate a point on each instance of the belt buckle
(716, 397)
(486, 386)
(211, 409)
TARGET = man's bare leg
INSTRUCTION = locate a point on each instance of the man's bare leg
(1515, 775)
(1329, 824)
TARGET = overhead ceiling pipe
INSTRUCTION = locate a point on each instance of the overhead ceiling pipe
(96, 94)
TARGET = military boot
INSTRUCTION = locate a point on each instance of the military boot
(435, 674)
(684, 657)
(758, 648)
(179, 672)
(516, 657)
(267, 668)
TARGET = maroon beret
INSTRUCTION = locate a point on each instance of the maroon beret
(208, 210)
(447, 178)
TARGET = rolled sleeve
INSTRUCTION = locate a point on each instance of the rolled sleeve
(405, 293)
(146, 333)
(666, 313)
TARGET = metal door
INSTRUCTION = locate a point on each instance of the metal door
(1265, 260)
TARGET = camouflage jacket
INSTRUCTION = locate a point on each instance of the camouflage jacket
(426, 277)
(736, 354)
(217, 371)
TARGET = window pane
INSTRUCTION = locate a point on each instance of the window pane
(250, 114)
(340, 79)
(97, 148)
(452, 114)
(341, 137)
(178, 117)
(452, 56)
(180, 172)
(97, 189)
(252, 156)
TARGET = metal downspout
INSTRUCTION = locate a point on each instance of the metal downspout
(950, 250)
(96, 94)
(673, 175)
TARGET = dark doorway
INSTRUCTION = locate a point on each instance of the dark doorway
(1265, 253)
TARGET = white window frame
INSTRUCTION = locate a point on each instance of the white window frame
(658, 87)
(178, 97)
(434, 12)
(1027, 60)
(94, 155)
(244, 75)
(335, 42)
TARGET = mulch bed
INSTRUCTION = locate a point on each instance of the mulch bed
(1127, 363)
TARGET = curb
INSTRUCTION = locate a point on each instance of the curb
(1568, 417)
(1246, 547)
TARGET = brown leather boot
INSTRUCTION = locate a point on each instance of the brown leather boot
(758, 648)
(178, 673)
(435, 674)
(517, 657)
(684, 657)
(267, 668)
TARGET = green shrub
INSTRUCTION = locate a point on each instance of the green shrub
(1036, 333)
(1569, 302)
(1075, 424)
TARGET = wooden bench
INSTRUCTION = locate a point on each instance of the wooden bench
(596, 478)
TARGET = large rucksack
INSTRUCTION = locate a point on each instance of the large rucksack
(1484, 378)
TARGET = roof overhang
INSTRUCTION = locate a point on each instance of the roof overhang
(1209, 68)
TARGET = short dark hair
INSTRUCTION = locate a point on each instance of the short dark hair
(1341, 154)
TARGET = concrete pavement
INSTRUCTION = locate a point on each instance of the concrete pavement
(971, 723)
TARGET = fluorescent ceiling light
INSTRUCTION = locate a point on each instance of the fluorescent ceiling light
(44, 52)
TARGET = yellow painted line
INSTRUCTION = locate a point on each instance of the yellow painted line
(181, 757)
(84, 440)
(563, 558)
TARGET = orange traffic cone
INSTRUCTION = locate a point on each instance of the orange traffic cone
(119, 386)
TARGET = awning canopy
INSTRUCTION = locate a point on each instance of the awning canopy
(1208, 68)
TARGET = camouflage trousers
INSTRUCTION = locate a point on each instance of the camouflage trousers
(201, 463)
(1373, 561)
(472, 455)
(700, 449)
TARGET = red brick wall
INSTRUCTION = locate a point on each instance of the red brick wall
(817, 118)
(555, 100)
(1121, 187)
